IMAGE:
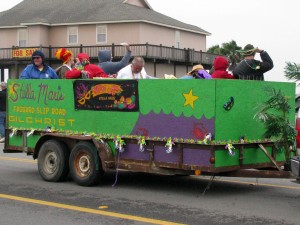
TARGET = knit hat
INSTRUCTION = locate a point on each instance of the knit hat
(248, 50)
(63, 54)
(38, 53)
(196, 68)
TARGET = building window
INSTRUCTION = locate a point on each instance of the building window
(177, 39)
(72, 35)
(101, 34)
(22, 38)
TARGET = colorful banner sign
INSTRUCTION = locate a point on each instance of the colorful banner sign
(106, 95)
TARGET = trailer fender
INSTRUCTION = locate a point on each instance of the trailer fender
(105, 153)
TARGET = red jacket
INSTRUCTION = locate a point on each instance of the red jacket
(220, 66)
(95, 71)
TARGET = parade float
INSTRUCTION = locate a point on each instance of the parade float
(86, 127)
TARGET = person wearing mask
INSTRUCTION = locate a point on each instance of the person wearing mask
(2, 111)
(68, 61)
(38, 69)
(84, 69)
(250, 68)
(135, 70)
(109, 67)
(220, 69)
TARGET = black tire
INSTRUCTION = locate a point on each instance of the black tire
(85, 165)
(53, 161)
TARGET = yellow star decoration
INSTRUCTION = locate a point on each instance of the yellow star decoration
(190, 99)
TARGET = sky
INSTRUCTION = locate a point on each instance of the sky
(271, 25)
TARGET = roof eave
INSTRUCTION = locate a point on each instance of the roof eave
(132, 21)
(12, 27)
(34, 24)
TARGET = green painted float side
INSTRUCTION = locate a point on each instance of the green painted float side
(17, 140)
(167, 96)
(250, 156)
(248, 95)
(155, 96)
(239, 121)
(54, 107)
(47, 112)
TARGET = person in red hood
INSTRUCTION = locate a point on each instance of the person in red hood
(84, 69)
(220, 66)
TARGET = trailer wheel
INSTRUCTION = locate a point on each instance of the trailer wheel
(85, 165)
(53, 161)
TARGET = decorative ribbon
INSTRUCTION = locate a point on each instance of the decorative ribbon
(230, 148)
(48, 129)
(207, 138)
(142, 143)
(119, 143)
(13, 132)
(169, 145)
(30, 132)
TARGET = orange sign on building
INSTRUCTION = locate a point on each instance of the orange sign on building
(23, 52)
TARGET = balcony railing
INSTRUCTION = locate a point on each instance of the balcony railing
(148, 51)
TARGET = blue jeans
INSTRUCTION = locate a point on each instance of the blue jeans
(2, 123)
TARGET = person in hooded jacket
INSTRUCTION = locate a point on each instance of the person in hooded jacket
(220, 69)
(84, 69)
(38, 69)
(109, 67)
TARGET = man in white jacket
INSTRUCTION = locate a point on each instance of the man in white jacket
(135, 70)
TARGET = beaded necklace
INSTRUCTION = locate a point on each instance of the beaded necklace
(254, 67)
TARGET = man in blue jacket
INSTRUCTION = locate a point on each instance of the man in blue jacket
(109, 67)
(38, 69)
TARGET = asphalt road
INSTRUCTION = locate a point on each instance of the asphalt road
(142, 199)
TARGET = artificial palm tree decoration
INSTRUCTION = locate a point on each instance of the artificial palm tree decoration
(292, 71)
(274, 114)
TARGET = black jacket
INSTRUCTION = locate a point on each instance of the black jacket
(3, 100)
(251, 69)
